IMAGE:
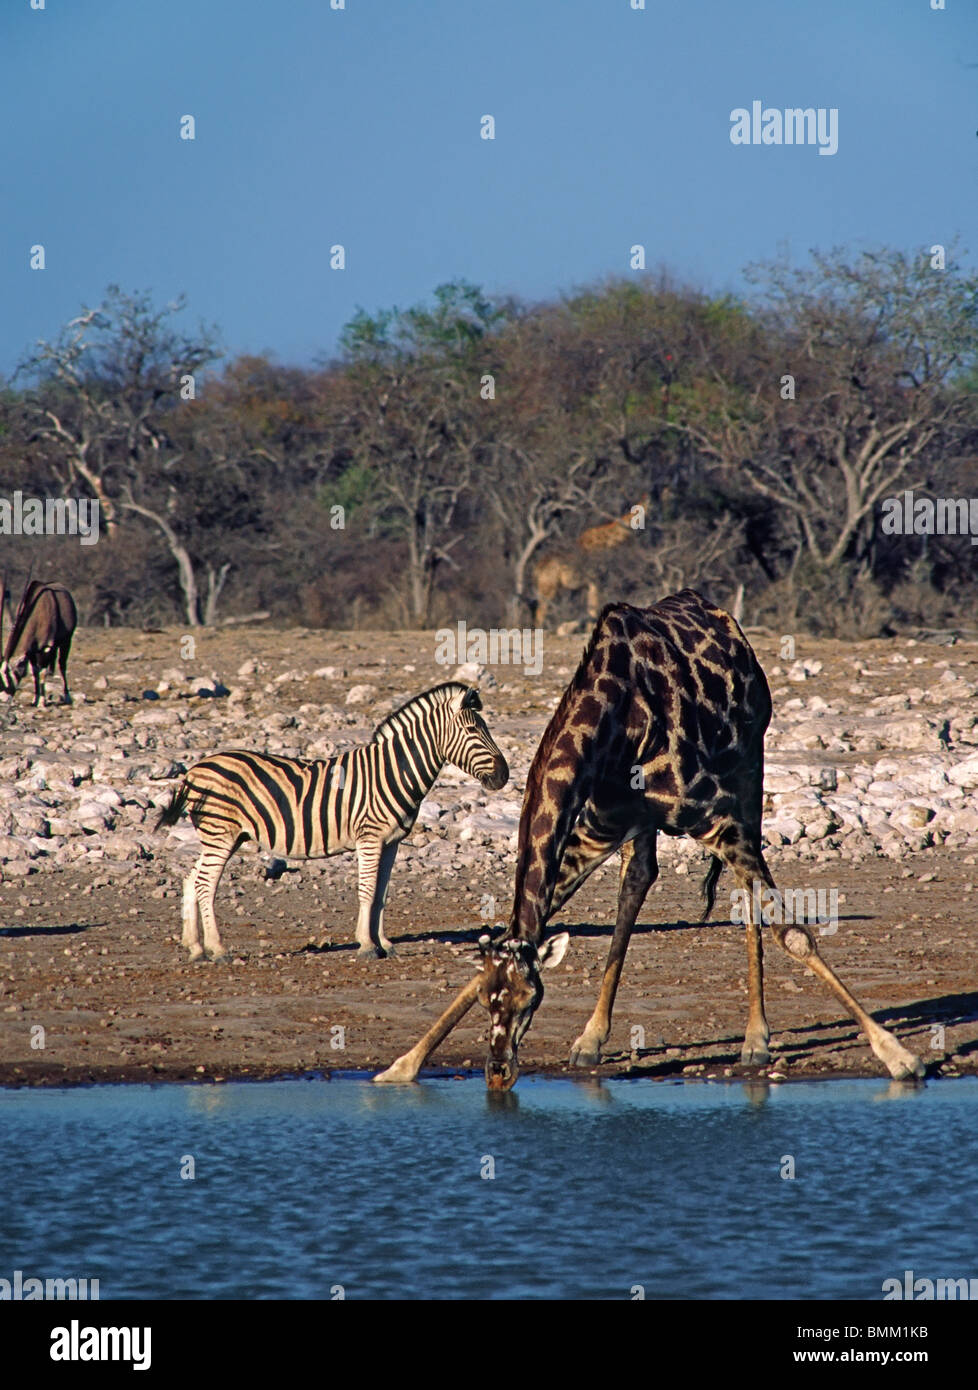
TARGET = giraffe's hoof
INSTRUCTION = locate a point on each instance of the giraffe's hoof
(756, 1056)
(368, 953)
(400, 1073)
(196, 954)
(387, 950)
(585, 1053)
(219, 957)
(909, 1068)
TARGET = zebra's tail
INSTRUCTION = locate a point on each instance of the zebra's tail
(177, 805)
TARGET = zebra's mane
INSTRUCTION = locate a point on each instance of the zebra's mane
(398, 718)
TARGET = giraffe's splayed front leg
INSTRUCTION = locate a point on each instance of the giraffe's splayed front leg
(899, 1062)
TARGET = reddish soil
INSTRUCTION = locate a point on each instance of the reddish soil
(117, 999)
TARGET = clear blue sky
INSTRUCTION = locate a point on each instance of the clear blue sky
(361, 126)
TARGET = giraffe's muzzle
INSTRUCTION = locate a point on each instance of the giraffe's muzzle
(501, 1076)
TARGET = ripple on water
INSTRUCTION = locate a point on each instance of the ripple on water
(566, 1190)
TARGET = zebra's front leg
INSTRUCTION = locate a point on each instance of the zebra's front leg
(374, 864)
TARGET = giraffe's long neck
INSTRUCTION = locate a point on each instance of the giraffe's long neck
(559, 783)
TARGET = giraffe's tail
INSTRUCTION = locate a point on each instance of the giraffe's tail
(708, 887)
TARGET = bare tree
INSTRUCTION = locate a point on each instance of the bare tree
(874, 346)
(106, 403)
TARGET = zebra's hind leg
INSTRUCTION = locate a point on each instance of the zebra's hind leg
(207, 872)
(191, 935)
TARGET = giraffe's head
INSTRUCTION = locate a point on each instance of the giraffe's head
(511, 989)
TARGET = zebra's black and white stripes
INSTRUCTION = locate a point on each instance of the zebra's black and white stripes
(366, 799)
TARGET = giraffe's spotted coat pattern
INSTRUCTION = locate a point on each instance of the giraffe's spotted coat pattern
(660, 730)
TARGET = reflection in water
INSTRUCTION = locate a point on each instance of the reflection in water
(207, 1099)
(499, 1102)
(758, 1091)
(301, 1186)
(593, 1090)
(408, 1099)
(902, 1090)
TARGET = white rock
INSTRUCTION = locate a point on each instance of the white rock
(108, 796)
(965, 774)
(802, 670)
(785, 830)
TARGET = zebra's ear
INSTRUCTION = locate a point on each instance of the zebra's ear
(471, 699)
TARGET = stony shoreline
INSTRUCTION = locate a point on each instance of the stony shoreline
(871, 785)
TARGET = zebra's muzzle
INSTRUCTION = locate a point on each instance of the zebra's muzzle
(498, 777)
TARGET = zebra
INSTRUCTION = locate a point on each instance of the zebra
(365, 799)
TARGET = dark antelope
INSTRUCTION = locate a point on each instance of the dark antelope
(661, 728)
(44, 625)
(367, 799)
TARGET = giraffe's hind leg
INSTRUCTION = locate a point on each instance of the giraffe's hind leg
(639, 870)
(747, 863)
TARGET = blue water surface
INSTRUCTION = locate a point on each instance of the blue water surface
(304, 1189)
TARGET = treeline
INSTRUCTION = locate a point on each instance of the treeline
(424, 473)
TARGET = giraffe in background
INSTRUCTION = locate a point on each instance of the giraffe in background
(572, 566)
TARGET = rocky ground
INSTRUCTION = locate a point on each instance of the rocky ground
(872, 797)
